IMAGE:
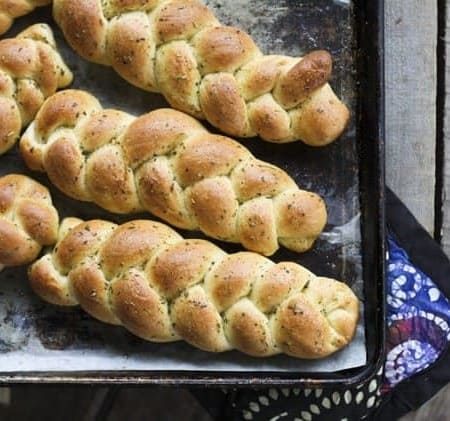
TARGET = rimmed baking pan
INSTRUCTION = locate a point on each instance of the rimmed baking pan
(42, 343)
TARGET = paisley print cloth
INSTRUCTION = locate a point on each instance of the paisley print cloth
(418, 317)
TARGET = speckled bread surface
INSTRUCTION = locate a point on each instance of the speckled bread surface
(28, 220)
(31, 70)
(11, 9)
(210, 71)
(167, 163)
(144, 276)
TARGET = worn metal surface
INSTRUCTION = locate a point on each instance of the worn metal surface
(35, 336)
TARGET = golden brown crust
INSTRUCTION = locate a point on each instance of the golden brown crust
(298, 213)
(16, 248)
(167, 163)
(28, 220)
(132, 243)
(11, 124)
(11, 9)
(73, 249)
(180, 19)
(197, 321)
(178, 77)
(180, 266)
(223, 156)
(311, 73)
(277, 283)
(211, 71)
(87, 26)
(137, 305)
(317, 118)
(154, 134)
(104, 129)
(144, 276)
(90, 288)
(161, 196)
(129, 44)
(223, 105)
(269, 119)
(31, 69)
(257, 226)
(49, 284)
(213, 205)
(248, 330)
(254, 178)
(223, 49)
(233, 278)
(300, 329)
(62, 159)
(111, 180)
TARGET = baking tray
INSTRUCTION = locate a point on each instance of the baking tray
(349, 174)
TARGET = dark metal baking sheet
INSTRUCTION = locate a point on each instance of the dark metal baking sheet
(39, 342)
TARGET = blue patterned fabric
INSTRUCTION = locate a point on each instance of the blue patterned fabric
(418, 318)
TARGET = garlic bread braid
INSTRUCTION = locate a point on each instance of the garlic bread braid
(144, 276)
(167, 163)
(210, 71)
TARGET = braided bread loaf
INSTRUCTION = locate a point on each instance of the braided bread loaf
(167, 163)
(28, 220)
(210, 71)
(11, 9)
(31, 70)
(144, 276)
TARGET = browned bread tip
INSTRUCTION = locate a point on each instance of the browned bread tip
(11, 9)
(211, 71)
(144, 276)
(31, 70)
(167, 163)
(28, 220)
